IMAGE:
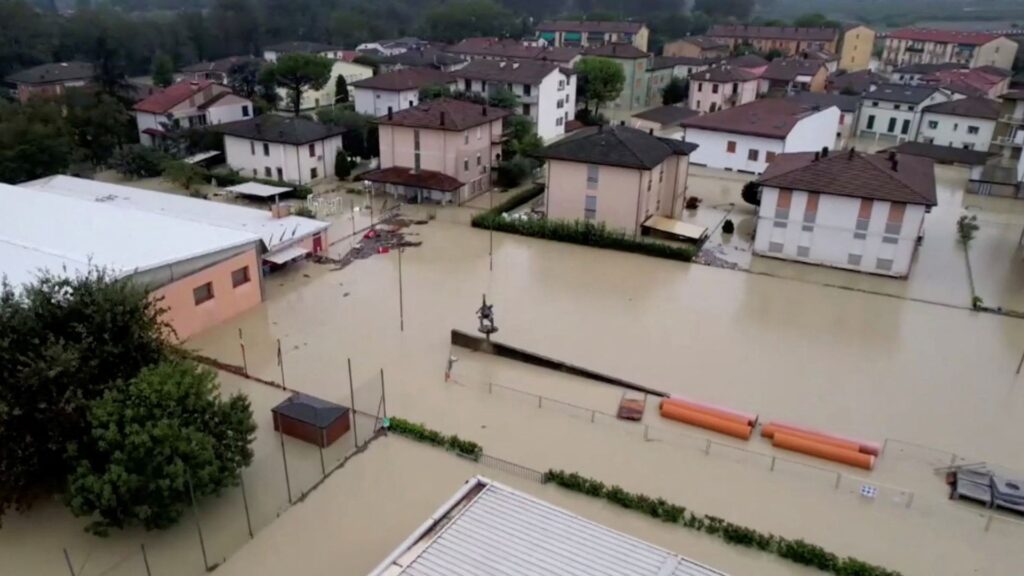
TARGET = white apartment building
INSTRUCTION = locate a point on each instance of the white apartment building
(396, 90)
(851, 210)
(971, 49)
(188, 104)
(747, 138)
(546, 91)
(968, 123)
(287, 149)
(895, 110)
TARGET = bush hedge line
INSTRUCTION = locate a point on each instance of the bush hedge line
(421, 433)
(512, 202)
(797, 550)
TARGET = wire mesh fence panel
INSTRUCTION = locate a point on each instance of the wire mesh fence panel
(511, 468)
(103, 562)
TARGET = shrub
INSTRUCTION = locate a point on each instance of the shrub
(342, 168)
(421, 433)
(966, 227)
(512, 173)
(138, 161)
(751, 193)
(728, 227)
(304, 211)
(808, 554)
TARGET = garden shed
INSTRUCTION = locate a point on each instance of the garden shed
(311, 419)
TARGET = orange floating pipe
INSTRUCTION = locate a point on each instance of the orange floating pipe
(770, 430)
(746, 418)
(863, 446)
(679, 413)
(812, 448)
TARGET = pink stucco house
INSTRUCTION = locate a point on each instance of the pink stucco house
(439, 151)
(722, 87)
(616, 175)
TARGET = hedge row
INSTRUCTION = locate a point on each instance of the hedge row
(511, 203)
(795, 550)
(421, 433)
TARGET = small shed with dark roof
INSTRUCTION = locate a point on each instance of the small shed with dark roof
(311, 419)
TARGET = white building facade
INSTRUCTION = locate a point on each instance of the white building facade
(956, 131)
(188, 105)
(883, 113)
(376, 102)
(286, 149)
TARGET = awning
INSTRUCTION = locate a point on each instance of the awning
(286, 255)
(258, 190)
(201, 157)
(676, 228)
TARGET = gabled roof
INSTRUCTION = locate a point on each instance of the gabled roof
(943, 154)
(788, 69)
(845, 103)
(405, 79)
(301, 46)
(1013, 95)
(860, 81)
(620, 146)
(425, 57)
(769, 118)
(724, 73)
(667, 115)
(518, 72)
(512, 50)
(310, 410)
(662, 61)
(703, 42)
(224, 65)
(927, 68)
(968, 108)
(624, 51)
(943, 36)
(294, 130)
(589, 26)
(54, 72)
(445, 114)
(901, 94)
(163, 101)
(895, 178)
(773, 32)
(747, 61)
(405, 176)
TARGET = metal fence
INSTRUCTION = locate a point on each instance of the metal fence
(512, 468)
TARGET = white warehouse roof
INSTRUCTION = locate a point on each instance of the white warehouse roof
(275, 232)
(65, 234)
(488, 529)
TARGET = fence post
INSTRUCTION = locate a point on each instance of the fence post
(645, 433)
(539, 400)
(988, 523)
(67, 558)
(839, 479)
(352, 397)
(284, 458)
(707, 448)
(490, 387)
(773, 464)
(241, 344)
(280, 363)
(593, 414)
(145, 559)
(245, 503)
(195, 514)
(383, 395)
(910, 499)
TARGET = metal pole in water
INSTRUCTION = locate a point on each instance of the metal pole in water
(280, 363)
(195, 514)
(241, 344)
(67, 558)
(383, 395)
(352, 393)
(1021, 363)
(490, 251)
(145, 559)
(245, 504)
(284, 459)
(401, 296)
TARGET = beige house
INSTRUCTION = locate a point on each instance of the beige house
(855, 46)
(616, 175)
(697, 47)
(438, 151)
(924, 46)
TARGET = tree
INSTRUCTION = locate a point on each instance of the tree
(360, 136)
(342, 168)
(156, 440)
(512, 173)
(738, 9)
(340, 89)
(244, 78)
(522, 140)
(503, 98)
(183, 174)
(815, 20)
(298, 73)
(774, 54)
(602, 79)
(138, 161)
(163, 70)
(677, 90)
(64, 341)
(751, 193)
(458, 19)
(35, 141)
(434, 91)
(100, 123)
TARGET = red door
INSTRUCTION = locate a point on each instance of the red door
(318, 244)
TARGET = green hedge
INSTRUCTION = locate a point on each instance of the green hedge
(512, 202)
(421, 433)
(795, 550)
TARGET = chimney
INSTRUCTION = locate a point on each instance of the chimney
(650, 131)
(817, 156)
(894, 163)
(391, 113)
(824, 151)
(442, 118)
(892, 155)
(852, 152)
(484, 107)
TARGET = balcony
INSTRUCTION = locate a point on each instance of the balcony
(1008, 119)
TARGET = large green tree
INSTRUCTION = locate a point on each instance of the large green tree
(100, 123)
(35, 141)
(458, 19)
(677, 90)
(600, 80)
(298, 73)
(163, 70)
(153, 436)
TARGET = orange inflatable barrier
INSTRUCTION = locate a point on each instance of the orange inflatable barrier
(863, 446)
(811, 448)
(679, 413)
(770, 430)
(746, 418)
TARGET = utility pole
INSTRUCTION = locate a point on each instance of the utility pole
(401, 296)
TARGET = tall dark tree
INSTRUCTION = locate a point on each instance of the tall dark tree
(298, 73)
(676, 91)
(453, 21)
(163, 70)
(100, 124)
(35, 141)
(738, 9)
(340, 89)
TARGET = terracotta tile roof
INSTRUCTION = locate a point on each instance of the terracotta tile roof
(895, 178)
(163, 101)
(749, 61)
(426, 57)
(788, 69)
(769, 118)
(589, 26)
(943, 36)
(665, 61)
(616, 146)
(973, 80)
(296, 131)
(54, 72)
(968, 108)
(624, 51)
(704, 42)
(859, 82)
(518, 72)
(901, 94)
(667, 115)
(445, 114)
(403, 176)
(943, 154)
(724, 73)
(927, 68)
(405, 79)
(773, 33)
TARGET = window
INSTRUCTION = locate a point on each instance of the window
(884, 264)
(590, 208)
(892, 126)
(203, 293)
(968, 146)
(313, 174)
(559, 104)
(416, 161)
(782, 205)
(465, 137)
(803, 251)
(775, 247)
(558, 121)
(252, 147)
(897, 107)
(266, 149)
(714, 88)
(561, 85)
(973, 130)
(245, 111)
(661, 173)
(700, 86)
(527, 89)
(842, 119)
(477, 158)
(894, 222)
(280, 173)
(871, 122)
(416, 140)
(853, 259)
(933, 124)
(479, 133)
(526, 109)
(956, 126)
(811, 208)
(730, 146)
(468, 85)
(312, 150)
(465, 164)
(240, 276)
(268, 172)
(592, 177)
(874, 104)
(906, 127)
(753, 155)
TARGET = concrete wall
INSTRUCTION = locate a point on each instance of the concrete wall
(703, 95)
(312, 99)
(855, 51)
(907, 116)
(296, 164)
(445, 151)
(814, 132)
(376, 102)
(713, 150)
(618, 194)
(231, 109)
(947, 130)
(830, 238)
(1000, 52)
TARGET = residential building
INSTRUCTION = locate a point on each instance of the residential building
(439, 151)
(273, 52)
(786, 39)
(634, 95)
(747, 138)
(488, 528)
(50, 80)
(750, 62)
(856, 44)
(508, 49)
(1008, 139)
(785, 76)
(700, 47)
(426, 57)
(967, 123)
(660, 72)
(188, 104)
(392, 47)
(682, 66)
(219, 71)
(546, 91)
(912, 74)
(849, 108)
(666, 121)
(396, 90)
(895, 110)
(326, 96)
(586, 33)
(617, 176)
(202, 260)
(924, 46)
(854, 82)
(862, 212)
(987, 81)
(722, 87)
(829, 60)
(285, 148)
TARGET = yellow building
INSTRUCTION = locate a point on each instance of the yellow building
(856, 44)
